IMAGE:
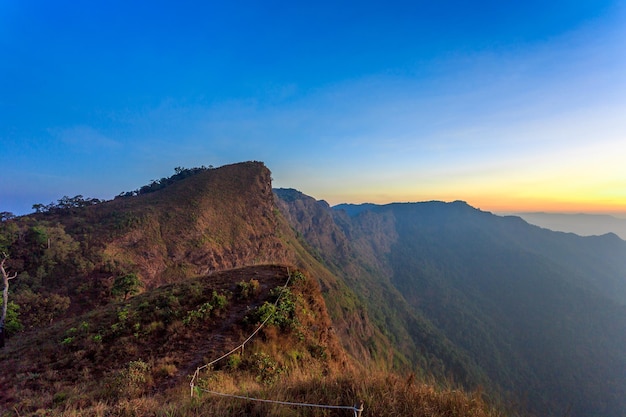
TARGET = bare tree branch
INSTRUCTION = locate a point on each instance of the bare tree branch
(5, 295)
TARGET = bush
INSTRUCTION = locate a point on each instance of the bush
(12, 322)
(133, 380)
(267, 369)
(281, 314)
(126, 285)
(248, 289)
(218, 302)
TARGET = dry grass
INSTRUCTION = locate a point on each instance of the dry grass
(124, 374)
(382, 394)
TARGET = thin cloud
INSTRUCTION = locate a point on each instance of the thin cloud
(84, 138)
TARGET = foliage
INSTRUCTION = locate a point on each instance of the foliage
(248, 289)
(133, 380)
(267, 369)
(218, 302)
(66, 203)
(180, 173)
(38, 309)
(6, 215)
(280, 311)
(125, 285)
(13, 324)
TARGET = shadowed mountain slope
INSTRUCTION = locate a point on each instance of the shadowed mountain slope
(541, 315)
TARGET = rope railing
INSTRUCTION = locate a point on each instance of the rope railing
(357, 410)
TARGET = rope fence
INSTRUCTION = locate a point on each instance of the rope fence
(357, 410)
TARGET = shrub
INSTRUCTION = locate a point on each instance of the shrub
(248, 289)
(267, 369)
(218, 302)
(12, 322)
(133, 380)
(281, 314)
(126, 285)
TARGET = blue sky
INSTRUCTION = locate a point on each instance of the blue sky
(507, 105)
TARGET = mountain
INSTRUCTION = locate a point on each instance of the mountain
(538, 316)
(117, 304)
(427, 309)
(581, 224)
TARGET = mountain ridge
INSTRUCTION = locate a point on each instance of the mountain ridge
(443, 290)
(69, 261)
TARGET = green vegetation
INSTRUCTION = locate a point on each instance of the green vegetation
(279, 311)
(217, 303)
(12, 322)
(248, 289)
(115, 356)
(125, 285)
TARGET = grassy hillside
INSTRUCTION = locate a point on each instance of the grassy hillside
(151, 343)
(136, 357)
(117, 303)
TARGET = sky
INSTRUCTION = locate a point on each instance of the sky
(510, 106)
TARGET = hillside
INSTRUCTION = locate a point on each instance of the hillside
(214, 220)
(429, 307)
(540, 315)
(117, 303)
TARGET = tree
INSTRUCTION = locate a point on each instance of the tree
(5, 296)
(39, 208)
(126, 285)
(6, 215)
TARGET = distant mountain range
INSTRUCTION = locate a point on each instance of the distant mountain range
(581, 224)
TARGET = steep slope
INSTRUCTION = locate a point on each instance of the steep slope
(217, 219)
(214, 220)
(529, 305)
(541, 314)
(357, 253)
